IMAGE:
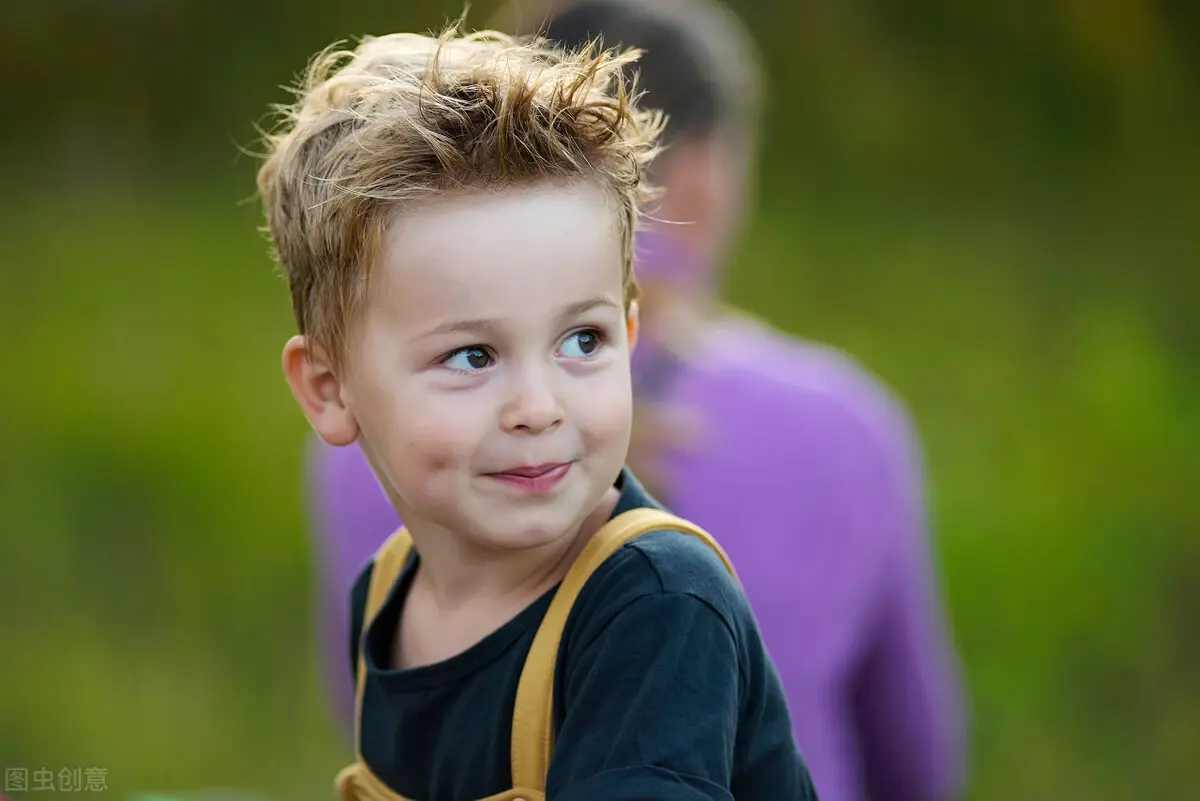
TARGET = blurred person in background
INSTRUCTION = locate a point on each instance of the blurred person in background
(801, 463)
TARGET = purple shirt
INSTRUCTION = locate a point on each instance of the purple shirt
(808, 475)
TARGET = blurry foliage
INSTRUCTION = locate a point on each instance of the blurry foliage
(991, 204)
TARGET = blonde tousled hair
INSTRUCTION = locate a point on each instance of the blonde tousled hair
(406, 116)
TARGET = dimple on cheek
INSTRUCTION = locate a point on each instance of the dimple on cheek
(425, 475)
(435, 453)
(430, 457)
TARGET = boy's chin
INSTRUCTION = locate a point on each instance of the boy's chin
(524, 532)
(526, 529)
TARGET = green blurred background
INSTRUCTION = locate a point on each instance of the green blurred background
(993, 204)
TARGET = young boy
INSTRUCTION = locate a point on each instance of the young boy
(455, 217)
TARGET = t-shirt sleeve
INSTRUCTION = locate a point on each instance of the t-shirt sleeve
(651, 708)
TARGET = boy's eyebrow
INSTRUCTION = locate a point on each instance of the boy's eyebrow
(585, 306)
(485, 326)
(462, 326)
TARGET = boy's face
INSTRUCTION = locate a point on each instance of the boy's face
(489, 371)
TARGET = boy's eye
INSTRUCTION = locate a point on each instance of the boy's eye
(467, 359)
(581, 344)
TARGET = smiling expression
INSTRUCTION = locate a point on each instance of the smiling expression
(489, 371)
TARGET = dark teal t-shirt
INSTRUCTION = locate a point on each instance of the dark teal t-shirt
(663, 690)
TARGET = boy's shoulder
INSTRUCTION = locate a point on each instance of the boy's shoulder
(658, 564)
(669, 561)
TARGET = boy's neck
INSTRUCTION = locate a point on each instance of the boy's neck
(455, 574)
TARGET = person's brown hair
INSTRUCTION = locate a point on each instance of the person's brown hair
(700, 66)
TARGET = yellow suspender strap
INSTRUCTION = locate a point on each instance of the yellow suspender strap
(389, 562)
(533, 723)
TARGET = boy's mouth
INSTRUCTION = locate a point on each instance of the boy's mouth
(537, 479)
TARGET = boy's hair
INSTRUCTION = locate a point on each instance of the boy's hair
(700, 65)
(405, 117)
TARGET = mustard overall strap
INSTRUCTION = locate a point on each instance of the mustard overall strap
(356, 781)
(533, 723)
(389, 562)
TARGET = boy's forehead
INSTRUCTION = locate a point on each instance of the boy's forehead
(500, 254)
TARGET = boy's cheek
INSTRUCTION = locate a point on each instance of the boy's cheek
(605, 418)
(431, 440)
(423, 469)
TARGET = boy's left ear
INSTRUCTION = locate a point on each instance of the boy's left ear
(316, 387)
(632, 325)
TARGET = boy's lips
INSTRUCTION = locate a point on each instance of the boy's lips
(537, 479)
(530, 471)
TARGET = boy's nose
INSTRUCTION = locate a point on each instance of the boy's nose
(533, 408)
